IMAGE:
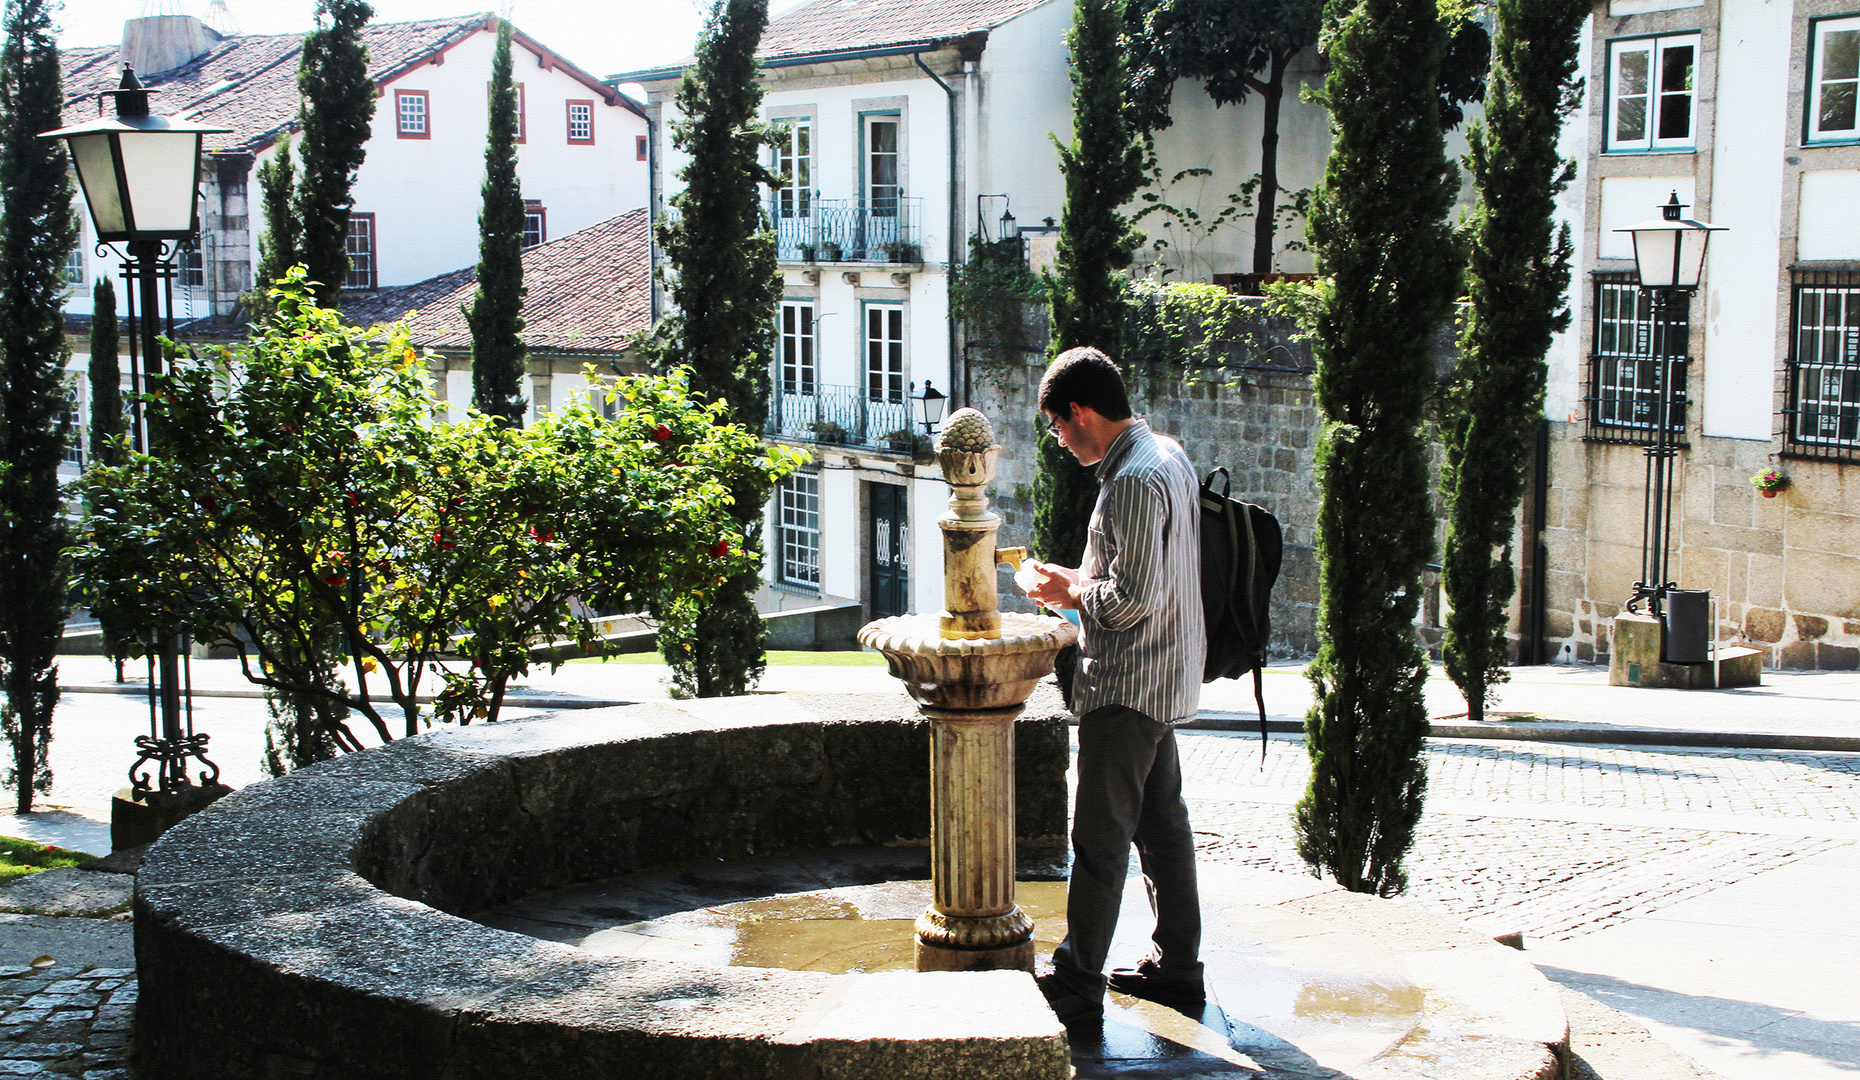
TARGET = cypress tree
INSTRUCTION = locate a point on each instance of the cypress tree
(37, 233)
(495, 314)
(279, 245)
(106, 427)
(1390, 274)
(338, 104)
(106, 375)
(725, 286)
(1103, 166)
(1517, 271)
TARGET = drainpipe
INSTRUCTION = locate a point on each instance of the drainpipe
(955, 218)
(652, 222)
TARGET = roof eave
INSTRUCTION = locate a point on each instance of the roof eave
(922, 45)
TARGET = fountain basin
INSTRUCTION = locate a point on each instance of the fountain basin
(312, 926)
(964, 675)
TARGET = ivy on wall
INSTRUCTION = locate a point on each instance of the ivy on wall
(990, 294)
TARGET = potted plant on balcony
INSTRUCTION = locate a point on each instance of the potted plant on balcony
(901, 441)
(830, 251)
(808, 251)
(826, 431)
(902, 251)
(1770, 481)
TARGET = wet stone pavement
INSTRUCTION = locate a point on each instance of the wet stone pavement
(64, 1022)
(1551, 840)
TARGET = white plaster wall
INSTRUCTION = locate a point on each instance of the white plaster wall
(1830, 225)
(928, 499)
(1026, 99)
(1642, 7)
(458, 393)
(839, 533)
(1563, 392)
(1630, 200)
(1747, 182)
(425, 193)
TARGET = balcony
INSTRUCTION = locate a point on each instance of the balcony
(812, 229)
(841, 416)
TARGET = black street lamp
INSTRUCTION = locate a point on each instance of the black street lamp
(931, 403)
(1669, 257)
(140, 175)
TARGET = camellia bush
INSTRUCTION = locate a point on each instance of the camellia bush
(308, 479)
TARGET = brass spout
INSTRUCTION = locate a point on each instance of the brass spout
(1012, 556)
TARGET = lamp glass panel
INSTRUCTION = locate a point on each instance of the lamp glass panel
(161, 168)
(1653, 256)
(96, 171)
(1692, 257)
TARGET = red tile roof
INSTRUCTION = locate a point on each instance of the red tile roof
(587, 292)
(249, 83)
(826, 27)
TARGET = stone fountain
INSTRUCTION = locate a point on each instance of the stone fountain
(971, 668)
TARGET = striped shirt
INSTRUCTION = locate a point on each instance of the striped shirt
(1144, 640)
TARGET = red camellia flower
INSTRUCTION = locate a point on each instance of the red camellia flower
(661, 433)
(354, 500)
(332, 582)
(720, 549)
(444, 539)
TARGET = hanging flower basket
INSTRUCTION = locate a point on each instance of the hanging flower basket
(1769, 482)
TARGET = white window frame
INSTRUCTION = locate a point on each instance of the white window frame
(794, 165)
(1819, 30)
(882, 200)
(367, 274)
(75, 263)
(798, 526)
(884, 337)
(412, 122)
(534, 213)
(799, 330)
(1656, 101)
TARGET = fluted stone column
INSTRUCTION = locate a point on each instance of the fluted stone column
(972, 923)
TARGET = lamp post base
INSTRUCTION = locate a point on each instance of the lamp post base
(140, 817)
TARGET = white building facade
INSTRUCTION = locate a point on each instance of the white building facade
(910, 128)
(1746, 109)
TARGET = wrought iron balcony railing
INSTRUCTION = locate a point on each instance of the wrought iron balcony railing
(841, 416)
(813, 229)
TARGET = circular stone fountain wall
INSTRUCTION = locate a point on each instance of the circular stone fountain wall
(310, 926)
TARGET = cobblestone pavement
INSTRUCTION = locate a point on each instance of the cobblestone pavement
(64, 1022)
(1551, 840)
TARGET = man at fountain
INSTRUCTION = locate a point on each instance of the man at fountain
(1141, 650)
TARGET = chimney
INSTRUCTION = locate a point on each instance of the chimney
(155, 44)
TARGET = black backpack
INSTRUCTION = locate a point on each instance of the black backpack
(1242, 548)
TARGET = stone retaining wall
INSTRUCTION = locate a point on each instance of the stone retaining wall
(311, 926)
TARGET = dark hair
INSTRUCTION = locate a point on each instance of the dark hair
(1084, 376)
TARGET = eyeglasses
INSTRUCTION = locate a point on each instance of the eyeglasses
(1046, 425)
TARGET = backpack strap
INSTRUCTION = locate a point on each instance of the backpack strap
(1259, 696)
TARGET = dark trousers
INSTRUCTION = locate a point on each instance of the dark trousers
(1130, 791)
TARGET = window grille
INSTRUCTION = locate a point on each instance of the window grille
(1822, 417)
(193, 267)
(535, 223)
(1630, 356)
(800, 530)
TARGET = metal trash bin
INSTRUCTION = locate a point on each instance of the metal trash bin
(1688, 626)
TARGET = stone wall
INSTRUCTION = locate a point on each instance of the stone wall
(1785, 571)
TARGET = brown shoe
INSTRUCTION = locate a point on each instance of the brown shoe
(1148, 982)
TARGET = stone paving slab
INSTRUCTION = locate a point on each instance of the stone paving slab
(68, 891)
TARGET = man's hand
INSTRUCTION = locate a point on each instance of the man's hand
(1061, 587)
